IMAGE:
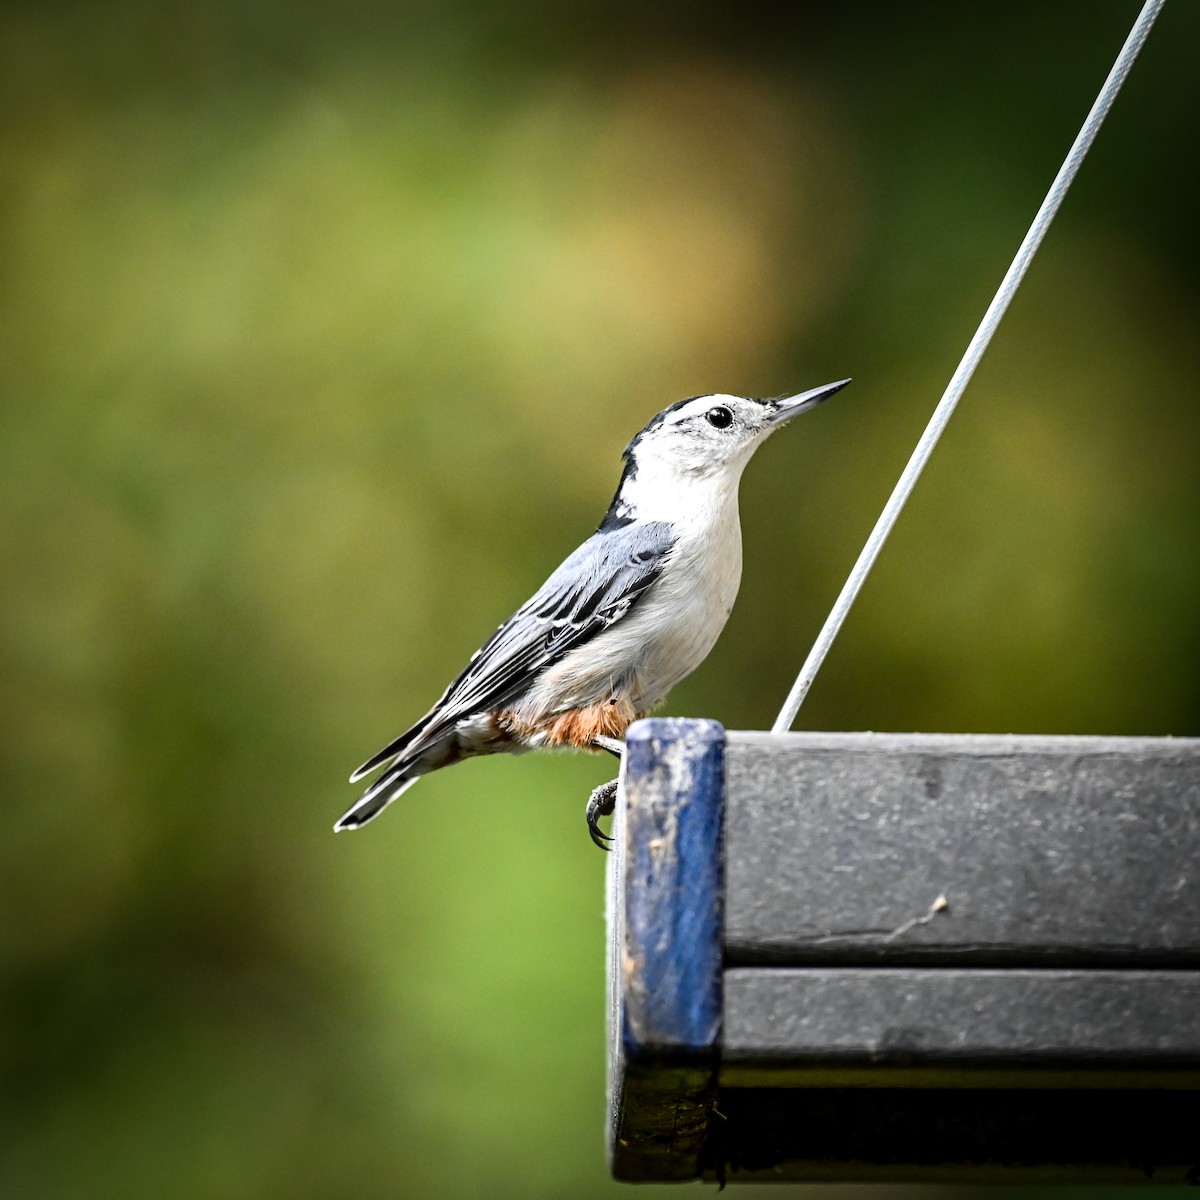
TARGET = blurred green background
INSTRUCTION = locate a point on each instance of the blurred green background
(322, 328)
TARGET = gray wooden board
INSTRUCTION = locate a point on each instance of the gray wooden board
(1070, 851)
(883, 1025)
(938, 958)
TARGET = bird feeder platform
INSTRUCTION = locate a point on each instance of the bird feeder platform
(886, 957)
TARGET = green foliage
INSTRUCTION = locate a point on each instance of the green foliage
(322, 331)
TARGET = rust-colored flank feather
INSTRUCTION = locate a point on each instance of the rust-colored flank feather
(578, 727)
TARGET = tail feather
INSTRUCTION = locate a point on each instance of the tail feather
(392, 750)
(376, 798)
(408, 758)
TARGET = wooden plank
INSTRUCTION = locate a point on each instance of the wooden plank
(945, 958)
(955, 1027)
(665, 969)
(1068, 851)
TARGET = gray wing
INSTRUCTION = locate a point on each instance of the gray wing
(595, 587)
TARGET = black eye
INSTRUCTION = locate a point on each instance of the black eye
(719, 417)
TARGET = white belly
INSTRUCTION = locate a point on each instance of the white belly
(665, 637)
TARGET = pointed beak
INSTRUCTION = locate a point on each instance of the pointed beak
(793, 406)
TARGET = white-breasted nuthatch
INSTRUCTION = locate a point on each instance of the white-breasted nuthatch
(627, 616)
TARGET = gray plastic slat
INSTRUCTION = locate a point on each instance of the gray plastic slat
(1070, 851)
(893, 1027)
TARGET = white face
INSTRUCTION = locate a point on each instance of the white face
(705, 440)
(705, 434)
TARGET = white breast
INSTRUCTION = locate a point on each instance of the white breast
(669, 631)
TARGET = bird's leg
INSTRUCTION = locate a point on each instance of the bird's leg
(603, 799)
(612, 745)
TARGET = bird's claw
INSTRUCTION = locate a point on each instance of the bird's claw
(601, 803)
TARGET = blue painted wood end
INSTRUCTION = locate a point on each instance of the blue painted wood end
(666, 889)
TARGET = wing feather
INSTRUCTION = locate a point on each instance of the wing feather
(593, 588)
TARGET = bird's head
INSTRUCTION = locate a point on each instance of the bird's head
(704, 438)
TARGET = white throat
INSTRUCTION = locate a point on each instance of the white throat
(660, 491)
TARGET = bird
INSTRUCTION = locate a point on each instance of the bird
(626, 616)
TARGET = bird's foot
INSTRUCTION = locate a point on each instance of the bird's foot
(601, 803)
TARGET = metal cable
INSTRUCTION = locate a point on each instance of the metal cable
(966, 368)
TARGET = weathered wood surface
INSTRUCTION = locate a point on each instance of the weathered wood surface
(954, 1027)
(908, 957)
(1046, 850)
